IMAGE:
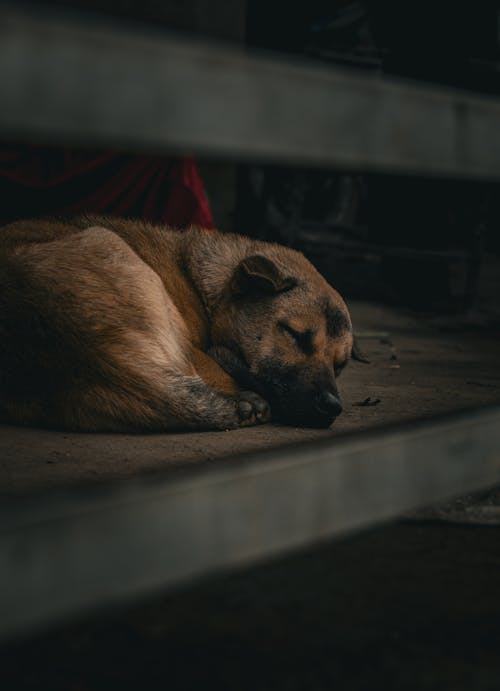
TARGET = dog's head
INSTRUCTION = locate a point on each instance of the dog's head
(291, 330)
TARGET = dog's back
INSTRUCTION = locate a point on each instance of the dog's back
(86, 327)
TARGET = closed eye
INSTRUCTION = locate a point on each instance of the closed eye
(303, 339)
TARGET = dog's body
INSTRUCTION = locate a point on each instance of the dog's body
(111, 324)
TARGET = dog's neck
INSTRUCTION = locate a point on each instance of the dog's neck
(211, 258)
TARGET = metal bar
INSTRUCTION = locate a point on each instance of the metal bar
(61, 555)
(86, 83)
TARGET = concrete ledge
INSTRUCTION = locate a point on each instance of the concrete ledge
(62, 554)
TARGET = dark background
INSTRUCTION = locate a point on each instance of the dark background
(375, 236)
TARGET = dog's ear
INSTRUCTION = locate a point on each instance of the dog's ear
(259, 275)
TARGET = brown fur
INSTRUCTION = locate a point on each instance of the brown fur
(113, 324)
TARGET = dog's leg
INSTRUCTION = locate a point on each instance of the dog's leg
(154, 396)
(198, 405)
(182, 401)
(251, 408)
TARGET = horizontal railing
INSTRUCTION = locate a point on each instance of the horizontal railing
(69, 81)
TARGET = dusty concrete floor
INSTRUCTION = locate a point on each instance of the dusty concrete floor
(422, 367)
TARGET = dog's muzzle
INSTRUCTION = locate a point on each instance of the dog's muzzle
(318, 411)
(328, 404)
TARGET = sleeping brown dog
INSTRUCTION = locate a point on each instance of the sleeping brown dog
(112, 324)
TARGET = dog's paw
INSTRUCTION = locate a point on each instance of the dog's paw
(251, 409)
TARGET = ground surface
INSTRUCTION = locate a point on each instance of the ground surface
(419, 367)
(414, 605)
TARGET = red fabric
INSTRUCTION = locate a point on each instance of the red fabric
(37, 181)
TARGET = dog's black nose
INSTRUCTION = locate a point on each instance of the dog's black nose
(327, 402)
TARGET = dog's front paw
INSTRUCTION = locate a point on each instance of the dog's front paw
(251, 409)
